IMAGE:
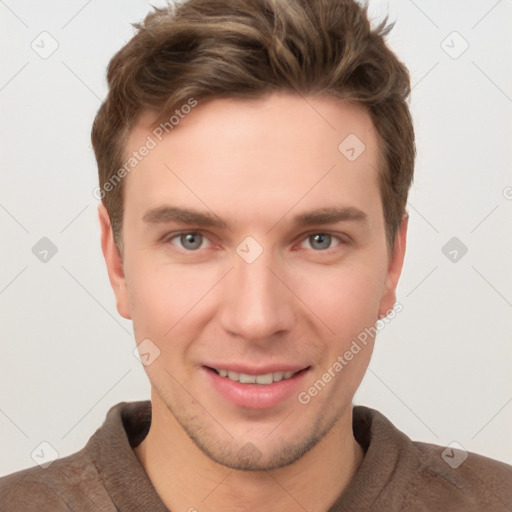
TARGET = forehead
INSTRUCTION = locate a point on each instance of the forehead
(272, 150)
(276, 117)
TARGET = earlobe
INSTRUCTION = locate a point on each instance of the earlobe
(396, 262)
(114, 262)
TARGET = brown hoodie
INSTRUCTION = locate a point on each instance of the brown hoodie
(396, 474)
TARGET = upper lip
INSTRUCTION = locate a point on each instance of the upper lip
(257, 370)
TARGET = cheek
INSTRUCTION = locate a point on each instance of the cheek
(346, 298)
(163, 296)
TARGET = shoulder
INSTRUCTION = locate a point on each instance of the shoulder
(413, 476)
(102, 472)
(23, 491)
(70, 483)
(464, 480)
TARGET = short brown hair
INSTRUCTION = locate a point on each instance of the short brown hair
(205, 49)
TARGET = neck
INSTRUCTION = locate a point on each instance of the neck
(186, 479)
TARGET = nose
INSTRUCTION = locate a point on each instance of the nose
(257, 306)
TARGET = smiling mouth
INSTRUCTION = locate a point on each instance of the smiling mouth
(264, 379)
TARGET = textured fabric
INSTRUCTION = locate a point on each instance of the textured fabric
(396, 474)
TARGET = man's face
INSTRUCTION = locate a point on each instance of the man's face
(268, 284)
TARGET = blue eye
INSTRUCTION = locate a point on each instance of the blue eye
(190, 241)
(320, 241)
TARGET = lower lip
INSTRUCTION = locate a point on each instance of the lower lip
(256, 396)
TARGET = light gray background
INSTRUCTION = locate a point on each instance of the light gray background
(441, 370)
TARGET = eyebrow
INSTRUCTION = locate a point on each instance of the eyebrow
(164, 214)
(331, 215)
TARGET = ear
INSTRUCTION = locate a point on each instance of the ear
(114, 262)
(394, 269)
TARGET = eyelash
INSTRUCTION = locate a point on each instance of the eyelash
(343, 240)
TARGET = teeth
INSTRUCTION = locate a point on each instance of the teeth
(244, 378)
(277, 376)
(268, 378)
(247, 379)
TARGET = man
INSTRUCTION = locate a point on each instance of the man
(254, 161)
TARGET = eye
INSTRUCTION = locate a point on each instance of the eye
(320, 241)
(190, 241)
